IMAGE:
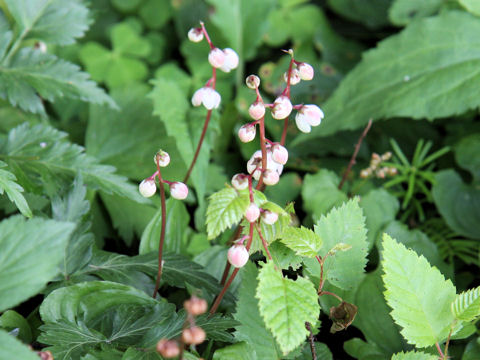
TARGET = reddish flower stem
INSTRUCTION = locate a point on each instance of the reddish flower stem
(442, 356)
(162, 232)
(264, 242)
(311, 340)
(220, 296)
(287, 93)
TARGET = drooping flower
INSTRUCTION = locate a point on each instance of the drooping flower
(206, 96)
(147, 188)
(231, 60)
(282, 107)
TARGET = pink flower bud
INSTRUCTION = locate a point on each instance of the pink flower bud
(216, 57)
(178, 190)
(312, 113)
(240, 181)
(198, 97)
(231, 60)
(257, 110)
(302, 123)
(269, 217)
(305, 71)
(252, 81)
(294, 77)
(282, 107)
(247, 133)
(252, 213)
(211, 99)
(279, 154)
(163, 158)
(147, 188)
(195, 35)
(237, 255)
(270, 177)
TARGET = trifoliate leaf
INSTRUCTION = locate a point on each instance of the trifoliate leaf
(32, 76)
(414, 355)
(11, 348)
(286, 305)
(418, 294)
(52, 21)
(346, 226)
(14, 191)
(302, 240)
(225, 208)
(31, 252)
(466, 306)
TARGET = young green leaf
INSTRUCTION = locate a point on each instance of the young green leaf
(346, 226)
(418, 294)
(11, 348)
(225, 208)
(286, 305)
(14, 191)
(414, 355)
(31, 252)
(466, 306)
(302, 240)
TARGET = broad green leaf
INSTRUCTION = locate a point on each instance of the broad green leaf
(472, 6)
(251, 329)
(176, 230)
(472, 350)
(30, 253)
(52, 21)
(33, 76)
(283, 256)
(416, 82)
(11, 320)
(42, 159)
(371, 13)
(362, 350)
(380, 207)
(414, 355)
(14, 191)
(345, 225)
(320, 193)
(225, 208)
(466, 154)
(11, 348)
(238, 351)
(418, 294)
(458, 203)
(302, 240)
(402, 12)
(466, 306)
(285, 306)
(128, 41)
(155, 13)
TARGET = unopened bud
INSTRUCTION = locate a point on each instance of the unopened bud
(178, 190)
(168, 348)
(257, 110)
(252, 81)
(240, 181)
(279, 154)
(247, 133)
(305, 71)
(282, 107)
(294, 77)
(216, 57)
(195, 306)
(365, 173)
(270, 177)
(238, 255)
(163, 158)
(231, 60)
(269, 217)
(392, 171)
(252, 213)
(195, 35)
(147, 188)
(193, 336)
(386, 156)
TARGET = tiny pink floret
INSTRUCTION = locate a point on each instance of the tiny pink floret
(252, 213)
(257, 110)
(216, 57)
(247, 133)
(178, 190)
(279, 154)
(305, 71)
(238, 255)
(282, 107)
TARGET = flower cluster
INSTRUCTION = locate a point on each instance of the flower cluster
(147, 187)
(374, 169)
(225, 60)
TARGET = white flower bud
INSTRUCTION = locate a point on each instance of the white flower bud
(252, 213)
(252, 81)
(269, 217)
(179, 190)
(163, 158)
(294, 77)
(312, 114)
(240, 181)
(211, 99)
(302, 124)
(257, 110)
(197, 97)
(216, 57)
(147, 188)
(305, 71)
(195, 35)
(279, 154)
(238, 255)
(282, 107)
(246, 133)
(270, 177)
(231, 60)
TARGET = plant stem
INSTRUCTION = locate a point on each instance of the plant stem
(322, 281)
(310, 339)
(287, 93)
(330, 293)
(354, 156)
(440, 351)
(162, 232)
(199, 146)
(220, 296)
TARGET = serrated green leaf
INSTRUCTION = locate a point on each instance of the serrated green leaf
(11, 348)
(402, 12)
(284, 257)
(416, 83)
(32, 76)
(11, 320)
(14, 191)
(302, 240)
(344, 225)
(52, 21)
(414, 355)
(30, 253)
(251, 329)
(225, 208)
(42, 159)
(238, 351)
(286, 305)
(466, 306)
(418, 294)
